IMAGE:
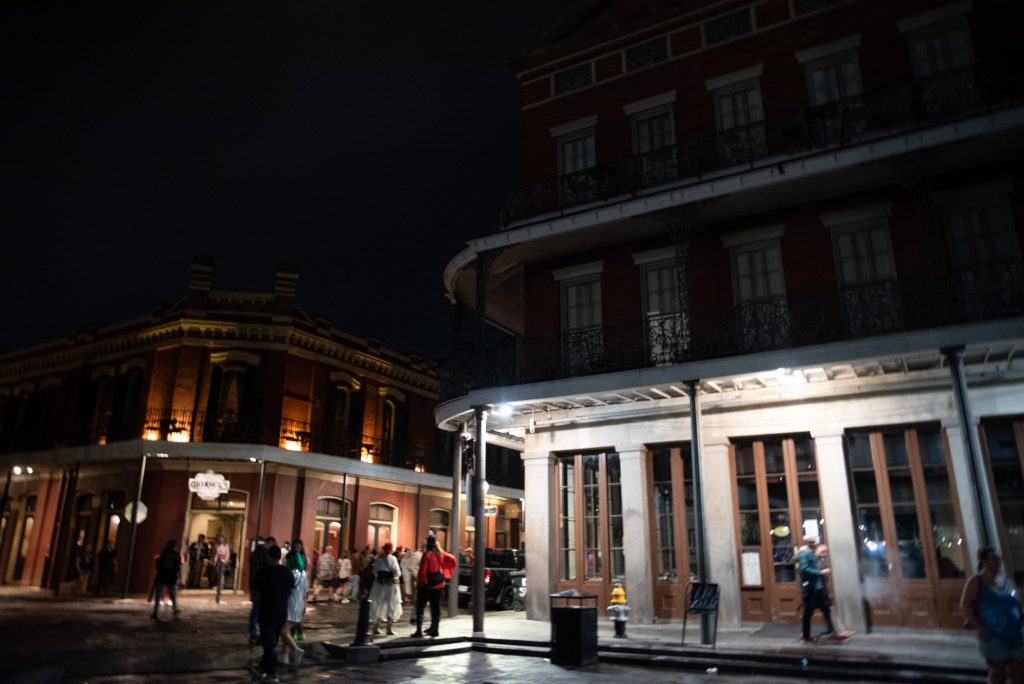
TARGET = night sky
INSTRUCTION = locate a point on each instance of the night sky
(362, 141)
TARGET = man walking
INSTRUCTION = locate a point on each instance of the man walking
(436, 568)
(814, 591)
(197, 554)
(168, 565)
(274, 583)
(257, 559)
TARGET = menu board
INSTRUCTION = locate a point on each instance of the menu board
(751, 569)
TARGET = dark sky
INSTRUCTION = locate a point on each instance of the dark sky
(363, 141)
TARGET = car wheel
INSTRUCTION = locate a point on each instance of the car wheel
(508, 598)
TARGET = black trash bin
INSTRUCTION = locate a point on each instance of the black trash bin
(573, 628)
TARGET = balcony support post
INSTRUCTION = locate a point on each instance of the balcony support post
(700, 535)
(479, 522)
(455, 521)
(972, 448)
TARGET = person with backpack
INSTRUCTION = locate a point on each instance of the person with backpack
(168, 565)
(436, 568)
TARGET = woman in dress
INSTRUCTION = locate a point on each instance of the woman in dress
(386, 595)
(296, 562)
(991, 605)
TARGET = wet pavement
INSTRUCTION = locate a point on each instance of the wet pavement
(114, 640)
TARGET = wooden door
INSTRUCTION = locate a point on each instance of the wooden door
(674, 553)
(591, 554)
(1003, 441)
(912, 552)
(777, 503)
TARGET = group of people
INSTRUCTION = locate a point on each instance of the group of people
(88, 563)
(279, 590)
(210, 559)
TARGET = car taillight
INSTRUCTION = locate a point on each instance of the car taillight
(487, 578)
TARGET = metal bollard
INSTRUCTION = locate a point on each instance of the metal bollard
(618, 611)
(363, 624)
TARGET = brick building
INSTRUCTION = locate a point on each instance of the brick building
(763, 280)
(333, 433)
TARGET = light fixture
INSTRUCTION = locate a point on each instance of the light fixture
(790, 377)
(252, 459)
(29, 470)
(503, 410)
(17, 470)
(533, 425)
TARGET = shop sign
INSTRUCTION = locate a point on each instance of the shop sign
(209, 485)
(490, 511)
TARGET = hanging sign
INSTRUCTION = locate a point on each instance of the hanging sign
(491, 511)
(209, 485)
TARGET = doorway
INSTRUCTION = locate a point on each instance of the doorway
(675, 562)
(913, 558)
(777, 503)
(221, 517)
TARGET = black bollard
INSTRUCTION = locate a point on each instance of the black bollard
(363, 624)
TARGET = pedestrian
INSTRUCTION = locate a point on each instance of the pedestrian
(405, 563)
(198, 556)
(168, 565)
(325, 573)
(344, 577)
(107, 561)
(83, 567)
(386, 595)
(992, 606)
(296, 563)
(221, 562)
(274, 583)
(357, 569)
(436, 568)
(813, 591)
(257, 560)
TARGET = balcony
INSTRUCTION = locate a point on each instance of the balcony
(900, 109)
(989, 292)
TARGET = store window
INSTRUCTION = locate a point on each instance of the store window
(331, 526)
(381, 525)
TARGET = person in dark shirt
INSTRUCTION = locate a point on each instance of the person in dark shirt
(274, 583)
(257, 559)
(168, 563)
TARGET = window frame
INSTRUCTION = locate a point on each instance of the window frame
(582, 134)
(748, 85)
(833, 60)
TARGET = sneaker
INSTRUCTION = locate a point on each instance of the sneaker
(842, 636)
(808, 640)
(268, 677)
(345, 601)
(283, 658)
(297, 656)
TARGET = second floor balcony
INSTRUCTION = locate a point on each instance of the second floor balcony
(991, 292)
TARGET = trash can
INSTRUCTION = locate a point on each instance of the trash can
(573, 628)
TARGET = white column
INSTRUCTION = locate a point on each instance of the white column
(541, 519)
(636, 528)
(841, 527)
(965, 489)
(720, 521)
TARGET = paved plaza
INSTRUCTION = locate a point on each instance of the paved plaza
(93, 639)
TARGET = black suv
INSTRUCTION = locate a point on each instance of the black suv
(501, 567)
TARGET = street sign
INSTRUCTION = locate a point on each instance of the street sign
(490, 511)
(143, 511)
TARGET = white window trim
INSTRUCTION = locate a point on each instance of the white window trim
(647, 113)
(580, 280)
(654, 256)
(846, 217)
(828, 49)
(577, 134)
(753, 236)
(573, 126)
(594, 268)
(835, 58)
(924, 19)
(735, 77)
(975, 191)
(649, 103)
(754, 246)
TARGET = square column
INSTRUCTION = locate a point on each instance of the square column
(841, 528)
(720, 523)
(965, 491)
(540, 515)
(636, 528)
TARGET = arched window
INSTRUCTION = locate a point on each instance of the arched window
(439, 519)
(380, 528)
(331, 528)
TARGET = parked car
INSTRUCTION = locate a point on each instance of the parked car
(504, 580)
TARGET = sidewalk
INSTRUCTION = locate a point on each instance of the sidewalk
(102, 636)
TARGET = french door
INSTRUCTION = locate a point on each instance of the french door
(777, 503)
(913, 558)
(672, 528)
(591, 553)
(1004, 450)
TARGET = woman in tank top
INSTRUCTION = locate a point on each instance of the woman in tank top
(992, 606)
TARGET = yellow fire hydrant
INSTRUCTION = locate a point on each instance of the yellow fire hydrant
(618, 611)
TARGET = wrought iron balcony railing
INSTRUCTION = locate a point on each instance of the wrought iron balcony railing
(984, 293)
(901, 108)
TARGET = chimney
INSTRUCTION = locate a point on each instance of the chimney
(200, 280)
(286, 279)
